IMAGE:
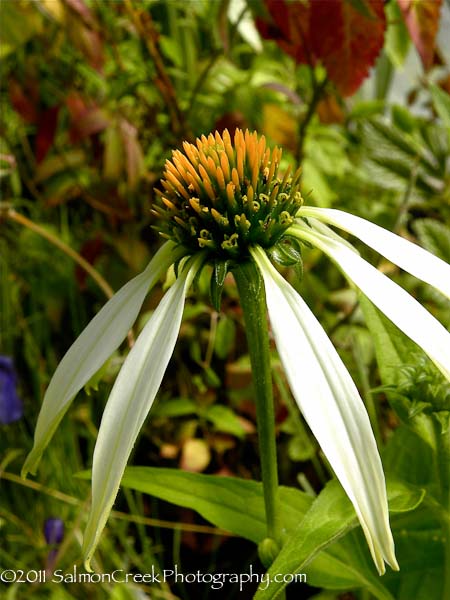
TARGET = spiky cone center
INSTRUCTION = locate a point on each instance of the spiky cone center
(224, 195)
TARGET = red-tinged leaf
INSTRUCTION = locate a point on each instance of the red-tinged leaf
(25, 101)
(86, 119)
(48, 121)
(93, 121)
(91, 251)
(76, 104)
(84, 32)
(231, 121)
(79, 7)
(346, 41)
(422, 20)
(445, 84)
(133, 153)
(289, 27)
(90, 43)
(329, 110)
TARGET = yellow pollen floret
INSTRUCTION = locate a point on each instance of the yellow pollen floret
(235, 178)
(209, 190)
(220, 178)
(225, 165)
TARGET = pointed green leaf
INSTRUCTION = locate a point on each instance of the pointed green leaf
(224, 419)
(225, 337)
(329, 518)
(218, 281)
(236, 505)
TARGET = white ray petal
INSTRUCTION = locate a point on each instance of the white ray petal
(129, 403)
(330, 403)
(399, 306)
(92, 348)
(408, 256)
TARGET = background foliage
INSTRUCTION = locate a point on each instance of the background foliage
(94, 95)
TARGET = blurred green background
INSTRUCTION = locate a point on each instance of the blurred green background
(94, 95)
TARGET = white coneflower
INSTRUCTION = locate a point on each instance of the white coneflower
(223, 204)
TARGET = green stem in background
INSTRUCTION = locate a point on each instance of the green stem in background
(253, 301)
(318, 89)
(50, 237)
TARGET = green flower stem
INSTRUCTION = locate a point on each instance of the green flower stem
(253, 302)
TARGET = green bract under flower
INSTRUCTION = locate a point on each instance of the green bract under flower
(226, 197)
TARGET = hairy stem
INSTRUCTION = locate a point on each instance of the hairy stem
(253, 302)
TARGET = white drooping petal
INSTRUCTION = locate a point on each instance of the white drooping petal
(129, 403)
(92, 348)
(332, 407)
(399, 306)
(408, 256)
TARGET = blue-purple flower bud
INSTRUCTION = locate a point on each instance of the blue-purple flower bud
(11, 407)
(54, 530)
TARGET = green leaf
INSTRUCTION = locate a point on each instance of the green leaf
(422, 585)
(97, 377)
(221, 268)
(287, 252)
(403, 119)
(397, 37)
(394, 350)
(442, 104)
(301, 448)
(236, 505)
(224, 419)
(225, 337)
(347, 565)
(367, 108)
(435, 236)
(19, 22)
(176, 407)
(211, 377)
(329, 518)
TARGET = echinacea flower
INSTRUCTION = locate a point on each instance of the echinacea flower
(224, 204)
(11, 407)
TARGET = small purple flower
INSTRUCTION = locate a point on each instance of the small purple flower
(53, 530)
(11, 408)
